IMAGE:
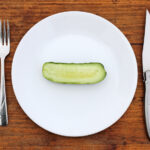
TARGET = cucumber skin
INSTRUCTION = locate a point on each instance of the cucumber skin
(72, 64)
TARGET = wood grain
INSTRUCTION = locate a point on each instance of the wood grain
(129, 132)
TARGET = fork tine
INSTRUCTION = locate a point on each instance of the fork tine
(8, 34)
(1, 33)
(4, 32)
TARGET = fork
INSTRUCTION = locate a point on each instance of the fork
(4, 51)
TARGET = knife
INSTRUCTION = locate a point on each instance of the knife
(146, 70)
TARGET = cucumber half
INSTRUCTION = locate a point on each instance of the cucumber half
(74, 73)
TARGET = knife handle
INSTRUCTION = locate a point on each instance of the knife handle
(147, 100)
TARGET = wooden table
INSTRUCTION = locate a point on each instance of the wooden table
(129, 132)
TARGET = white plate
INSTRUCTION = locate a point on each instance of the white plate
(74, 110)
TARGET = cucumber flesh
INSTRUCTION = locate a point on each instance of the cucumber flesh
(74, 73)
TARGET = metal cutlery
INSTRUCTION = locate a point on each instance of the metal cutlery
(146, 70)
(4, 51)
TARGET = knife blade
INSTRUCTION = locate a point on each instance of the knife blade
(146, 71)
(146, 46)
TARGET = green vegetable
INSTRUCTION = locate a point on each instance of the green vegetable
(74, 73)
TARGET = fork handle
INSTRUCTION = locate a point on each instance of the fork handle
(3, 103)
